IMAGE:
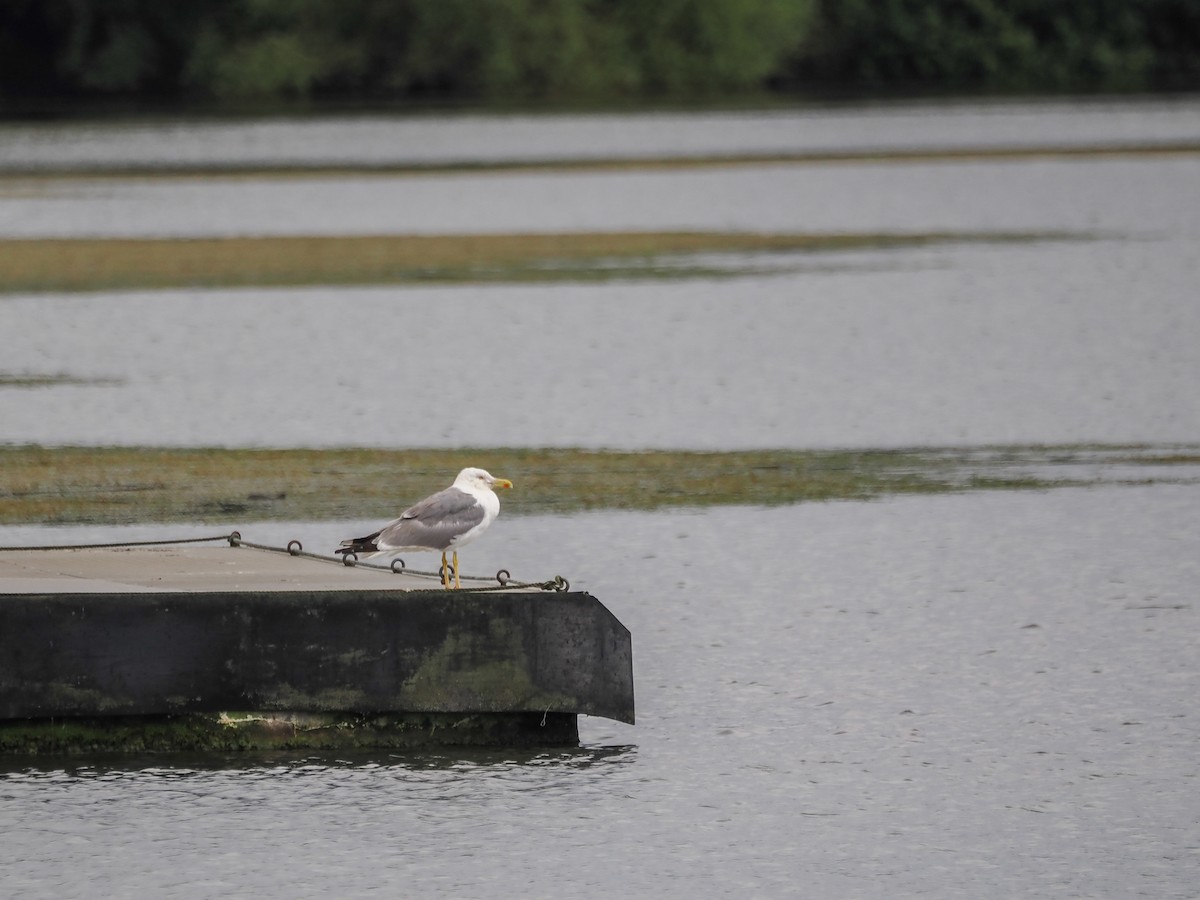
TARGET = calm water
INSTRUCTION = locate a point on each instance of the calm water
(1047, 343)
(1091, 340)
(1052, 341)
(984, 695)
(408, 139)
(1147, 198)
(987, 695)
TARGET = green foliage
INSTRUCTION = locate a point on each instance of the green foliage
(504, 48)
(50, 47)
(565, 50)
(1007, 45)
(682, 46)
(479, 49)
(262, 49)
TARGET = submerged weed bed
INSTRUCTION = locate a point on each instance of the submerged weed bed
(114, 485)
(88, 264)
(279, 169)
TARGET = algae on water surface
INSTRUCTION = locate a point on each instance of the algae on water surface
(117, 485)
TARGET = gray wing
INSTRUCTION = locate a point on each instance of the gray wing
(432, 523)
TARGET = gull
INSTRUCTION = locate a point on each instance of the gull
(444, 521)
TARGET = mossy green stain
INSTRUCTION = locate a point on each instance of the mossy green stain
(248, 731)
(110, 485)
(479, 671)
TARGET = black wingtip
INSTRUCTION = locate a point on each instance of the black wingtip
(359, 545)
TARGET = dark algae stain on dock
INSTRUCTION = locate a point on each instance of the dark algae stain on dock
(240, 732)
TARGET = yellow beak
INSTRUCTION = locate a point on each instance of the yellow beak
(502, 483)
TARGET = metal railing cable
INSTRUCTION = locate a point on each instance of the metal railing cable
(114, 545)
(503, 578)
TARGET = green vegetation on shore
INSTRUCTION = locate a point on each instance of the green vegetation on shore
(115, 264)
(115, 485)
(585, 51)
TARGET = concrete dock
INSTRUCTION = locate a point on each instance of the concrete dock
(228, 647)
(192, 567)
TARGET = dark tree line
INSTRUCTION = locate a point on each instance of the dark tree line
(1006, 45)
(586, 50)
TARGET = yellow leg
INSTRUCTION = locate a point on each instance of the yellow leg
(445, 572)
(457, 583)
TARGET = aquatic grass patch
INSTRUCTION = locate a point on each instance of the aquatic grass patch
(30, 179)
(95, 264)
(52, 379)
(114, 485)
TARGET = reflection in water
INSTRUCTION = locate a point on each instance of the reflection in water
(301, 764)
